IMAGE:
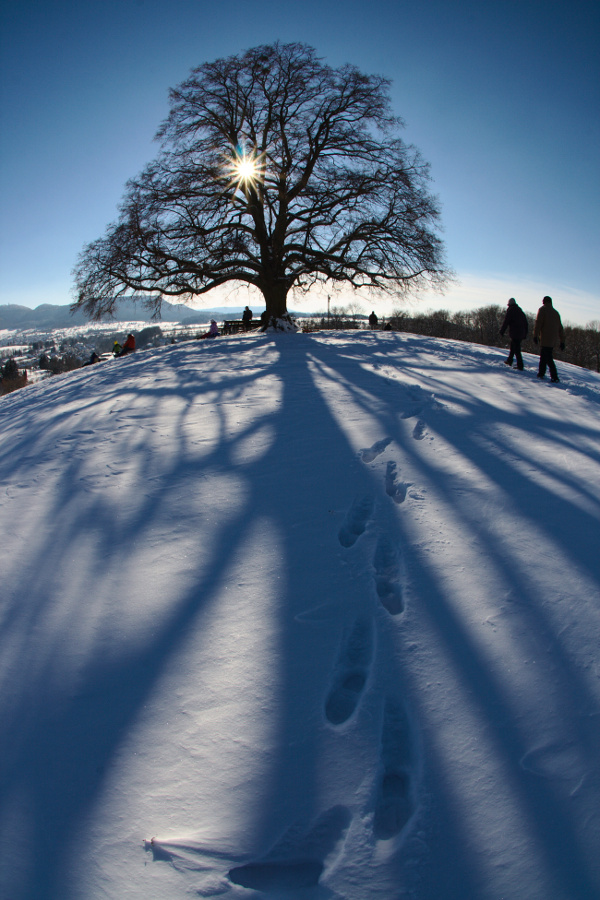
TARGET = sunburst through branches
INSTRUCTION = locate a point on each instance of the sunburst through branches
(244, 170)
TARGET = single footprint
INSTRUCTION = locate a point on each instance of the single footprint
(415, 392)
(394, 803)
(419, 430)
(293, 874)
(412, 411)
(395, 490)
(387, 563)
(557, 760)
(376, 450)
(350, 673)
(298, 859)
(356, 521)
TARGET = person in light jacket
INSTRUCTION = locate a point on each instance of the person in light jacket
(548, 332)
(212, 332)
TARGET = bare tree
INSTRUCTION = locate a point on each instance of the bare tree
(275, 171)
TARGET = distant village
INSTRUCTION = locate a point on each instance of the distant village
(28, 355)
(36, 355)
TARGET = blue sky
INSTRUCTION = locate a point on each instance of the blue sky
(502, 98)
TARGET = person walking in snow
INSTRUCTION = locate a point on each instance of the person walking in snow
(548, 332)
(516, 322)
(373, 320)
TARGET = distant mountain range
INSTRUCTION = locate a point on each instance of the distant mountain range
(46, 317)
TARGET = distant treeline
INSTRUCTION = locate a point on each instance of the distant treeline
(482, 326)
(10, 377)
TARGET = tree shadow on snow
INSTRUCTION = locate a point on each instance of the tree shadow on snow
(64, 730)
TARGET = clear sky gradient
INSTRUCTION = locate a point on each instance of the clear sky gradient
(502, 98)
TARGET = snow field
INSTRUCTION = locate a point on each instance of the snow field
(309, 616)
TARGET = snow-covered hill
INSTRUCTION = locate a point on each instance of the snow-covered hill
(301, 616)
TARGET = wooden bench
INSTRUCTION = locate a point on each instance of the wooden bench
(232, 326)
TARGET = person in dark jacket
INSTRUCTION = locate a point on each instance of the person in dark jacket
(516, 322)
(373, 320)
(548, 331)
(247, 318)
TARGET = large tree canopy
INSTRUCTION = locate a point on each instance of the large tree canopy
(276, 171)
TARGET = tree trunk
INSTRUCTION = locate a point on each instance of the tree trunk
(276, 300)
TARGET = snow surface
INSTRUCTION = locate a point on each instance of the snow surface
(301, 616)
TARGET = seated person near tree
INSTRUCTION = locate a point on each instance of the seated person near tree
(128, 346)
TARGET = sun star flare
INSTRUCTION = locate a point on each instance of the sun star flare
(244, 169)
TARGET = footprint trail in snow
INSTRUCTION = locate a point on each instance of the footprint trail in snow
(371, 453)
(350, 674)
(388, 575)
(297, 861)
(356, 521)
(394, 489)
(419, 430)
(394, 803)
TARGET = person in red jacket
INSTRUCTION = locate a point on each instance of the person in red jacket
(128, 346)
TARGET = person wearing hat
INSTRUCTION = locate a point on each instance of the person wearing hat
(212, 332)
(516, 322)
(548, 332)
